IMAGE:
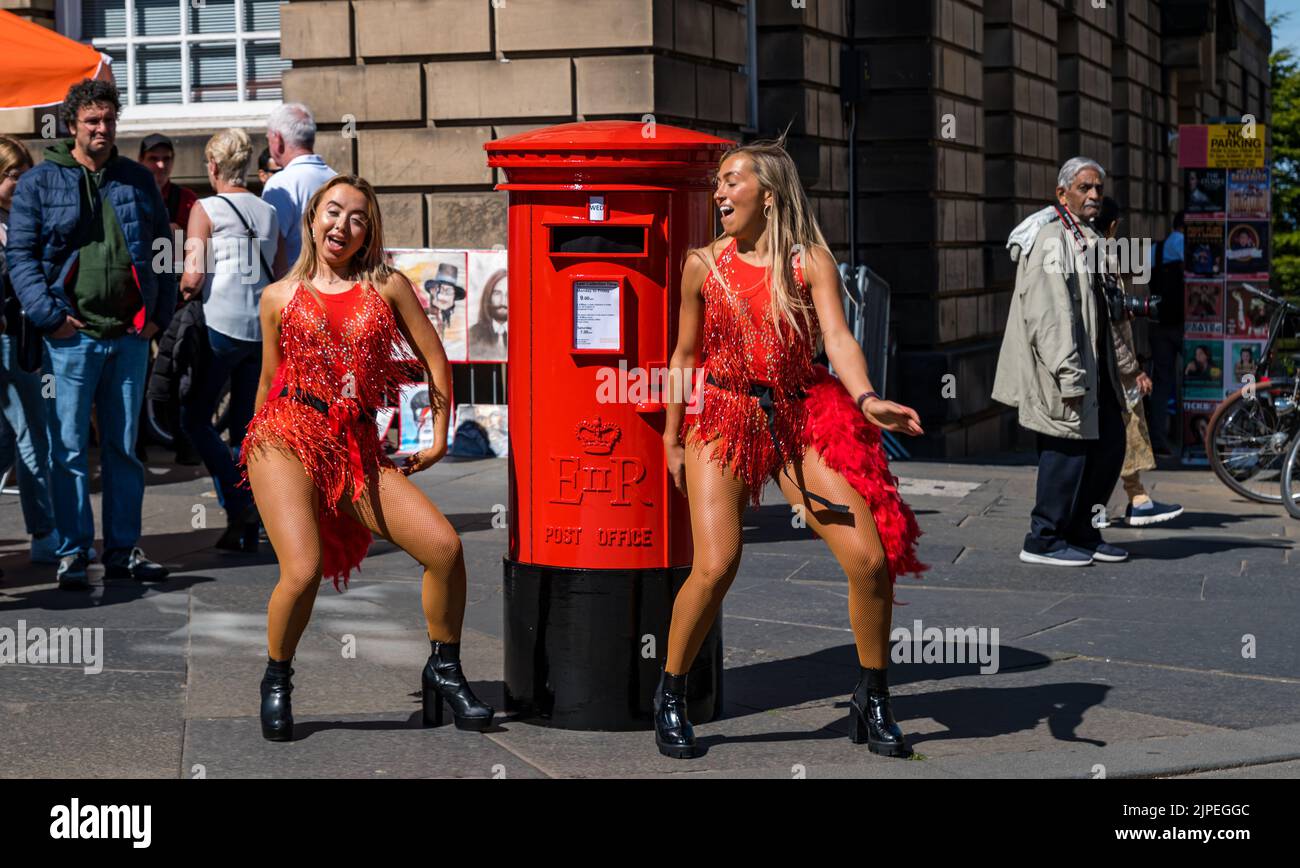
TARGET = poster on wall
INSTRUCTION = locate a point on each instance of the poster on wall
(1247, 249)
(1204, 249)
(415, 418)
(439, 280)
(1196, 421)
(1206, 193)
(1222, 146)
(1241, 358)
(488, 304)
(489, 421)
(1203, 306)
(1203, 369)
(384, 417)
(1226, 198)
(1245, 315)
(1248, 193)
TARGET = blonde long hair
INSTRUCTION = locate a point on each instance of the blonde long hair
(791, 228)
(368, 265)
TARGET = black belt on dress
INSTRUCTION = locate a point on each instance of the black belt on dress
(317, 404)
(766, 402)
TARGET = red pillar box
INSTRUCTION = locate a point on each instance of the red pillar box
(601, 215)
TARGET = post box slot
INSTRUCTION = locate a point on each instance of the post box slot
(600, 240)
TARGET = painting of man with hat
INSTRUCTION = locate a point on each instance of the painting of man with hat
(438, 281)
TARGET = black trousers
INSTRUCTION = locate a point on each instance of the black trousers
(1074, 477)
(1166, 344)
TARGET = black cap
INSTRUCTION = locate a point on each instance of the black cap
(153, 140)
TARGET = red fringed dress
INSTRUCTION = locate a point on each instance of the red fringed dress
(808, 405)
(337, 365)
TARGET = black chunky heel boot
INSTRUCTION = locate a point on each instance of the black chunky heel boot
(871, 719)
(277, 712)
(443, 680)
(674, 734)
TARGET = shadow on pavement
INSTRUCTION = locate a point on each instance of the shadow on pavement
(985, 712)
(1182, 546)
(101, 593)
(183, 552)
(1190, 520)
(967, 712)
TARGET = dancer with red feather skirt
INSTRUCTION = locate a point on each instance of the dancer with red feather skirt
(334, 334)
(756, 304)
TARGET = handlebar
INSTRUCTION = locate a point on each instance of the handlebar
(1264, 295)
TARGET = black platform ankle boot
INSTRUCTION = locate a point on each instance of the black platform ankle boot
(277, 712)
(871, 719)
(443, 680)
(673, 732)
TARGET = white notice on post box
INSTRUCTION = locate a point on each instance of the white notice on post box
(596, 315)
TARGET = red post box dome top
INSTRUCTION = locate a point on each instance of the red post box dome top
(604, 152)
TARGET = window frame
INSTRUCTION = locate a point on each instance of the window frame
(239, 111)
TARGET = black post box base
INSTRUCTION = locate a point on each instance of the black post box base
(583, 648)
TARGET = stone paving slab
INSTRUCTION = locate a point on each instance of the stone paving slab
(348, 746)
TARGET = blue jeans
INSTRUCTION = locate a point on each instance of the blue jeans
(22, 431)
(110, 374)
(240, 362)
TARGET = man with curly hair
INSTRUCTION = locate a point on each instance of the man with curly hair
(82, 259)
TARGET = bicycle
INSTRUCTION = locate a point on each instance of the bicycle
(1250, 431)
(1291, 478)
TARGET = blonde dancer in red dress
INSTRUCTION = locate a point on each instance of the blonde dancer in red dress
(333, 332)
(756, 304)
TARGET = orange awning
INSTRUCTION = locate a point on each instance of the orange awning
(37, 65)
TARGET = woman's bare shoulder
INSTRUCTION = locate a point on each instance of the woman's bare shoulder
(393, 285)
(697, 258)
(278, 294)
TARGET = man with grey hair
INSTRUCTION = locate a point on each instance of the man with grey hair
(291, 136)
(1057, 367)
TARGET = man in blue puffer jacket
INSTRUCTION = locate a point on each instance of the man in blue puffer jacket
(83, 260)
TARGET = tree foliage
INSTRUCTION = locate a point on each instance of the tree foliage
(1284, 81)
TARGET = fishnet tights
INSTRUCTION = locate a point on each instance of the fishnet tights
(392, 508)
(717, 500)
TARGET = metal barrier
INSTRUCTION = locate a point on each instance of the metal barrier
(866, 310)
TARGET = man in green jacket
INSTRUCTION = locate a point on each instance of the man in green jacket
(1057, 367)
(81, 251)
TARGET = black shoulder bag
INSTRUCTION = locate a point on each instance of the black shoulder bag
(248, 230)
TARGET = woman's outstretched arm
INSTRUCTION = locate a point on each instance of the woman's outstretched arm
(842, 347)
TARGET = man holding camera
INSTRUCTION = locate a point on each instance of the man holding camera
(1058, 367)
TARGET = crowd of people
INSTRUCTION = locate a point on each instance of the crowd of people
(101, 254)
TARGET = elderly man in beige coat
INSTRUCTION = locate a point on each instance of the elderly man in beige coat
(1057, 367)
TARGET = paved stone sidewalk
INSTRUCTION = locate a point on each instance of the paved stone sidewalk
(1121, 670)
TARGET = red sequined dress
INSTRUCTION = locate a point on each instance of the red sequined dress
(802, 405)
(337, 365)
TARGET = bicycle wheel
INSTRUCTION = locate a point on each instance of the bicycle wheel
(158, 423)
(1291, 478)
(1247, 439)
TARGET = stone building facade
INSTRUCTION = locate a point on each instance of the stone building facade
(970, 107)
